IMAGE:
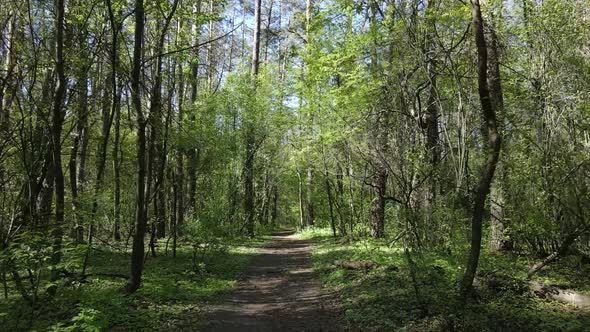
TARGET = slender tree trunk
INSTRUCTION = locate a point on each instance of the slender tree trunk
(81, 128)
(9, 83)
(193, 153)
(117, 176)
(330, 203)
(340, 200)
(379, 147)
(351, 191)
(179, 170)
(432, 134)
(156, 158)
(309, 198)
(301, 200)
(116, 113)
(210, 57)
(138, 250)
(499, 240)
(41, 185)
(101, 162)
(267, 33)
(250, 139)
(275, 205)
(378, 204)
(57, 124)
(493, 144)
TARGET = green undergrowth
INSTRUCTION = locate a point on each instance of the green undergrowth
(173, 290)
(385, 299)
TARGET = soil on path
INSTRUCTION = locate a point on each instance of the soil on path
(279, 292)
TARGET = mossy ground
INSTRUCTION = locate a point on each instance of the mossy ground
(384, 299)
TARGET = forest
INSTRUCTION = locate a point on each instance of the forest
(282, 165)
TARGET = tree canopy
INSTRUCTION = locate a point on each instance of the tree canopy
(441, 126)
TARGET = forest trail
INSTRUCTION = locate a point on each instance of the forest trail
(279, 292)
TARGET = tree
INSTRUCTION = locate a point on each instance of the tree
(250, 139)
(138, 252)
(56, 130)
(493, 145)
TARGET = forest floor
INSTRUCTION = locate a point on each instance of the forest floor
(279, 292)
(172, 289)
(388, 298)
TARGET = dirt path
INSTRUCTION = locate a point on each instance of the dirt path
(279, 292)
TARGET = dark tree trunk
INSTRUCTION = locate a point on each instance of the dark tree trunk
(57, 124)
(300, 195)
(499, 240)
(267, 32)
(330, 203)
(117, 176)
(249, 182)
(81, 128)
(378, 205)
(309, 198)
(432, 134)
(275, 205)
(340, 200)
(380, 173)
(250, 138)
(378, 145)
(101, 162)
(116, 113)
(193, 153)
(179, 169)
(138, 250)
(493, 144)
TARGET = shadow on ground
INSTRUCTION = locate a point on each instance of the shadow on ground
(279, 292)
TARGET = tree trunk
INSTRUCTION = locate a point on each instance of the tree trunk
(493, 144)
(250, 138)
(57, 124)
(300, 191)
(249, 181)
(117, 176)
(267, 33)
(138, 250)
(431, 122)
(378, 205)
(309, 198)
(10, 82)
(81, 128)
(275, 205)
(340, 200)
(192, 155)
(499, 240)
(116, 113)
(330, 203)
(179, 169)
(107, 120)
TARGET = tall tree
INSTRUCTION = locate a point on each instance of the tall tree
(250, 138)
(138, 251)
(378, 141)
(493, 144)
(116, 113)
(58, 115)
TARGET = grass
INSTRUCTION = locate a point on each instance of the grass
(173, 294)
(384, 299)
